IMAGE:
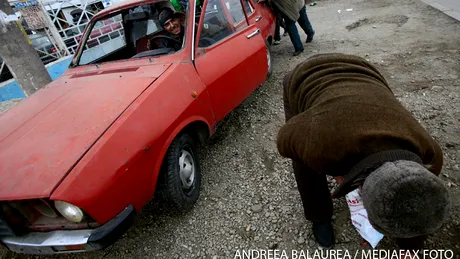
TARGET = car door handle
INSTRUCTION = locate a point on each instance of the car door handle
(259, 18)
(253, 34)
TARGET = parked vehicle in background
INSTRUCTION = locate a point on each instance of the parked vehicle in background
(45, 50)
(44, 47)
(81, 157)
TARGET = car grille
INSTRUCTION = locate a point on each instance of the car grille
(5, 230)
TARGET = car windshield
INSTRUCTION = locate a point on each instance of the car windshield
(133, 33)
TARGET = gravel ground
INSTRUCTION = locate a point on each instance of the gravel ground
(4, 106)
(249, 198)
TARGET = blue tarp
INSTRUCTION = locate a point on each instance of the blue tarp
(11, 91)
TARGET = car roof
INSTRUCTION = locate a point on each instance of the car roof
(124, 5)
(36, 35)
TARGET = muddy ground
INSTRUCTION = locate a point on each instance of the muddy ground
(249, 199)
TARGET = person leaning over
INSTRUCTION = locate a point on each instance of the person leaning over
(343, 120)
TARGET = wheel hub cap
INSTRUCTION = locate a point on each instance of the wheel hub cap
(187, 169)
(269, 59)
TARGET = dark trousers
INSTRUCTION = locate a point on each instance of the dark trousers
(279, 24)
(315, 194)
(312, 186)
(294, 33)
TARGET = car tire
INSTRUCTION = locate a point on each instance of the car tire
(269, 57)
(180, 178)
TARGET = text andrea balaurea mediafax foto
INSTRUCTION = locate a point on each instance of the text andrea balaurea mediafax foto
(343, 254)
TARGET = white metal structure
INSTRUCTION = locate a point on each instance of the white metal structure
(69, 19)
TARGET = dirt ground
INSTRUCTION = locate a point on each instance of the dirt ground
(249, 198)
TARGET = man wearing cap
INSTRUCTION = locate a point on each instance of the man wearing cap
(343, 120)
(173, 23)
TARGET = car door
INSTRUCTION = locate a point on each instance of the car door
(230, 55)
(252, 14)
(260, 14)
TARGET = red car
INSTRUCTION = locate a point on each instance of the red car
(82, 156)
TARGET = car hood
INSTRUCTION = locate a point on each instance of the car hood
(46, 134)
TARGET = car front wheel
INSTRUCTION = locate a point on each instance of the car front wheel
(181, 177)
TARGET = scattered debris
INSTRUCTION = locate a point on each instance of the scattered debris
(399, 20)
(451, 184)
(450, 145)
(257, 208)
(273, 246)
(357, 23)
(436, 88)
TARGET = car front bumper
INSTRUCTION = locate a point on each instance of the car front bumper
(66, 241)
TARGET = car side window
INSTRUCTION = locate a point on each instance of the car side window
(106, 37)
(235, 10)
(216, 25)
(248, 7)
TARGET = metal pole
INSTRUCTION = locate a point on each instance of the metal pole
(20, 57)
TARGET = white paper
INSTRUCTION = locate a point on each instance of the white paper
(360, 220)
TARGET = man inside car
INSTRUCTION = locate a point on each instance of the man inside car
(173, 24)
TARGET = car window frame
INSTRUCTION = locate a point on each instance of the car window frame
(238, 23)
(87, 33)
(199, 50)
(90, 30)
(84, 40)
(251, 4)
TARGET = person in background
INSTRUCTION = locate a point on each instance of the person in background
(139, 27)
(294, 11)
(343, 120)
(181, 5)
(279, 24)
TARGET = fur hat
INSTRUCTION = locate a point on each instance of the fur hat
(404, 200)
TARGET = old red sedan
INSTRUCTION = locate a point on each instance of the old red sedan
(82, 156)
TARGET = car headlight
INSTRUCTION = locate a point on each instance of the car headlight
(69, 211)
